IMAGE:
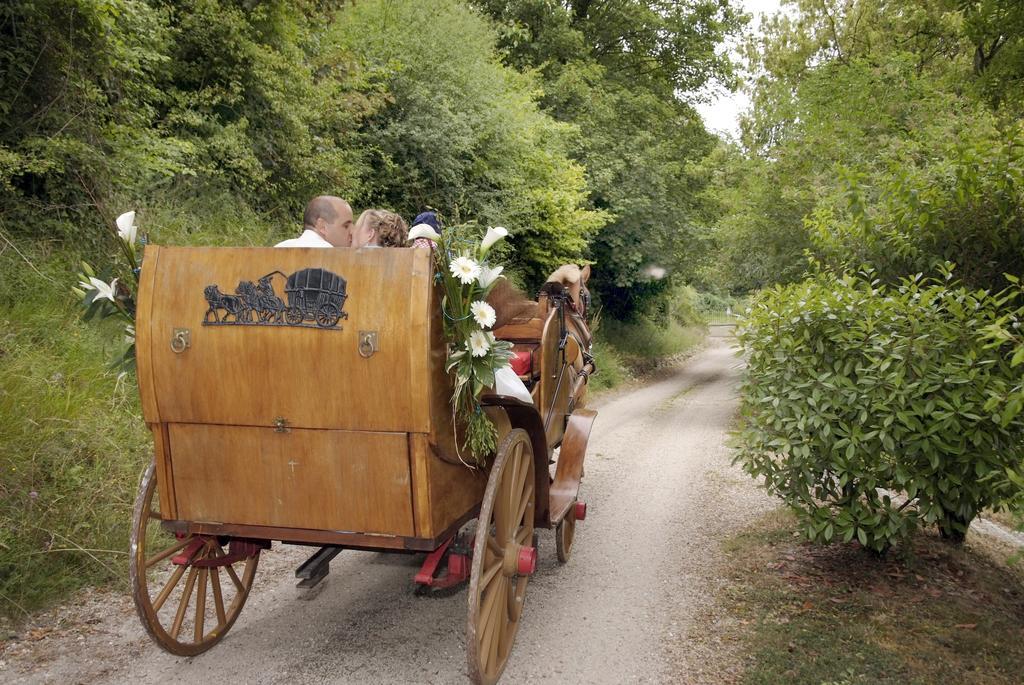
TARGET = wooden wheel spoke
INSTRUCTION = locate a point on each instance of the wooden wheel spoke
(157, 558)
(512, 606)
(230, 569)
(523, 478)
(200, 606)
(489, 575)
(166, 592)
(496, 622)
(524, 536)
(513, 475)
(494, 547)
(218, 600)
(186, 595)
(155, 515)
(234, 578)
(524, 504)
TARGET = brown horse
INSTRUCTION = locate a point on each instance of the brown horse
(511, 304)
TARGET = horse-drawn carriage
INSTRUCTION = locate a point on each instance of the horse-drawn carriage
(342, 437)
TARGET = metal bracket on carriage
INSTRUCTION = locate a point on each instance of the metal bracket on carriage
(457, 571)
(237, 551)
(316, 568)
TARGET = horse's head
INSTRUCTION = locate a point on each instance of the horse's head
(211, 292)
(574, 279)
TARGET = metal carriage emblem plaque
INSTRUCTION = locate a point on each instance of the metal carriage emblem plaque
(313, 298)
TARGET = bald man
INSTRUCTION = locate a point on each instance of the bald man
(327, 222)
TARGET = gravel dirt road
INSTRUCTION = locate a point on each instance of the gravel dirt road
(626, 608)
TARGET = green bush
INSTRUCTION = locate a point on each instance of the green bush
(1007, 332)
(868, 408)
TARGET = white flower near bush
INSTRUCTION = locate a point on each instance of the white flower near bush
(464, 269)
(488, 275)
(494, 234)
(479, 343)
(423, 231)
(103, 291)
(483, 314)
(126, 228)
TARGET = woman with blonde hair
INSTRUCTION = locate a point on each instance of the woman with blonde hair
(379, 228)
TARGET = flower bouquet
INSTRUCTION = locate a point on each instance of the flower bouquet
(116, 298)
(474, 355)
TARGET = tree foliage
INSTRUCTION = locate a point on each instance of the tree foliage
(103, 101)
(624, 72)
(892, 127)
(463, 133)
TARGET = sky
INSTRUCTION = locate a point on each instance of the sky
(722, 114)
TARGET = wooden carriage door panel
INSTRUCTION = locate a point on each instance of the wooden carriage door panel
(250, 374)
(317, 479)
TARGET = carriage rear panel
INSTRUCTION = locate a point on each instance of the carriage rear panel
(241, 371)
(275, 421)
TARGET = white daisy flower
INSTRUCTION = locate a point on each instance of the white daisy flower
(479, 343)
(483, 313)
(464, 269)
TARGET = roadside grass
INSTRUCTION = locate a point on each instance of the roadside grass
(72, 439)
(72, 445)
(634, 349)
(932, 613)
(627, 351)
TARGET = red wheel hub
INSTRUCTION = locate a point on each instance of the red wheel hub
(581, 511)
(526, 561)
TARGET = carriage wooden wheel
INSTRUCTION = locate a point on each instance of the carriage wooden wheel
(188, 589)
(503, 559)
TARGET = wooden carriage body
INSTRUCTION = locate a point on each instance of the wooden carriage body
(270, 430)
(300, 395)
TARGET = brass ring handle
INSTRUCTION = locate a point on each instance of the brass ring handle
(365, 347)
(180, 340)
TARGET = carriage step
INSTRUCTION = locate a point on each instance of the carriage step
(316, 568)
(456, 550)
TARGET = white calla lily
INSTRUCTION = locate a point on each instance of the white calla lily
(494, 234)
(483, 314)
(488, 275)
(103, 290)
(126, 228)
(423, 231)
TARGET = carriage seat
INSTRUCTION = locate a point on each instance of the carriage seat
(525, 337)
(525, 363)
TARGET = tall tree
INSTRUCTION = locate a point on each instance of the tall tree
(625, 72)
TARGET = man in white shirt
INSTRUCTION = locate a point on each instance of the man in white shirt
(327, 222)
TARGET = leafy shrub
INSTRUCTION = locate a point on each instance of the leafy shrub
(1007, 332)
(868, 408)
